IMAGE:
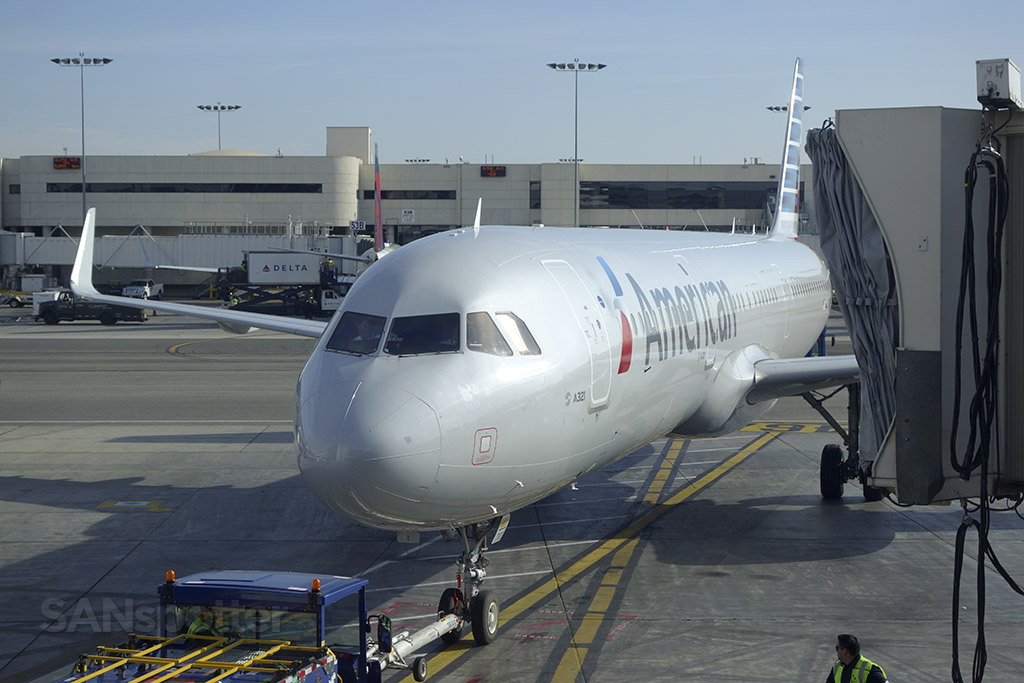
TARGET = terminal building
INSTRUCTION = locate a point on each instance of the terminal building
(235, 194)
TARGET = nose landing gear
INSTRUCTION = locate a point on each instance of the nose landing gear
(473, 604)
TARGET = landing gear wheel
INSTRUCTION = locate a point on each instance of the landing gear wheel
(832, 472)
(451, 602)
(484, 614)
(419, 669)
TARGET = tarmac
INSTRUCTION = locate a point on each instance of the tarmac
(130, 450)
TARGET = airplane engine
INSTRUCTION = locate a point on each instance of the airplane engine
(233, 328)
(725, 408)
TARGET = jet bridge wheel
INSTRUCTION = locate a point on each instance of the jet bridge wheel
(832, 472)
(484, 613)
(452, 602)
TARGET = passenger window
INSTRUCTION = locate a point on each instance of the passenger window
(357, 333)
(419, 334)
(518, 334)
(482, 335)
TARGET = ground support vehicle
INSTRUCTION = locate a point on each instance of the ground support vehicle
(66, 306)
(284, 283)
(144, 289)
(267, 627)
(299, 300)
(15, 299)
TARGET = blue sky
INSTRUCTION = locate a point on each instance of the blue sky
(686, 81)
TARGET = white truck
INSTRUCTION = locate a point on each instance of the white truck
(144, 289)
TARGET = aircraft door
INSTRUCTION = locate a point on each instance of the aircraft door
(587, 310)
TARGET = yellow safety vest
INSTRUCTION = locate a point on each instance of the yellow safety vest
(861, 668)
(201, 628)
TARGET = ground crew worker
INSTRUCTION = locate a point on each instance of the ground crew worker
(202, 625)
(850, 667)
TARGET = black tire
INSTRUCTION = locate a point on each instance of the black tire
(484, 613)
(832, 472)
(419, 669)
(107, 318)
(873, 493)
(15, 303)
(451, 602)
(50, 318)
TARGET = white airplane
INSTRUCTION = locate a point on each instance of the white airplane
(474, 372)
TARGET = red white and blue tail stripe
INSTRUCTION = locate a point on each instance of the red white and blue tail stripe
(378, 229)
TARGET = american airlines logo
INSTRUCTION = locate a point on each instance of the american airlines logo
(686, 318)
(285, 268)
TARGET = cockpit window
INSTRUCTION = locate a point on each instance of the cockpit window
(516, 331)
(482, 335)
(357, 333)
(418, 334)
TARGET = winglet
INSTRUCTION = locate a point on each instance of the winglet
(787, 199)
(476, 221)
(378, 229)
(81, 273)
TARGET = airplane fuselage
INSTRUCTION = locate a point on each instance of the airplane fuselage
(639, 333)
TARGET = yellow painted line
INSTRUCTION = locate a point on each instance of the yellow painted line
(602, 599)
(668, 464)
(791, 427)
(570, 666)
(587, 630)
(621, 558)
(175, 350)
(611, 577)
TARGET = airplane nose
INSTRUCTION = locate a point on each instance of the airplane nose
(368, 450)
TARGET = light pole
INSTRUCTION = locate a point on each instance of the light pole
(575, 67)
(81, 61)
(218, 108)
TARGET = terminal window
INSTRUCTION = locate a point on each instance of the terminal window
(173, 188)
(676, 195)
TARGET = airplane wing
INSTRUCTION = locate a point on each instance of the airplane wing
(196, 269)
(238, 322)
(774, 378)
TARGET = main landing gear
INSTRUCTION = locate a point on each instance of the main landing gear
(834, 471)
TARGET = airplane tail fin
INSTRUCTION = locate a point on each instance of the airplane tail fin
(787, 200)
(378, 229)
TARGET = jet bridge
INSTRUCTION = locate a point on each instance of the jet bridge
(936, 319)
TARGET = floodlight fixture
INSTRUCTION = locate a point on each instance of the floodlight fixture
(218, 108)
(81, 61)
(576, 67)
